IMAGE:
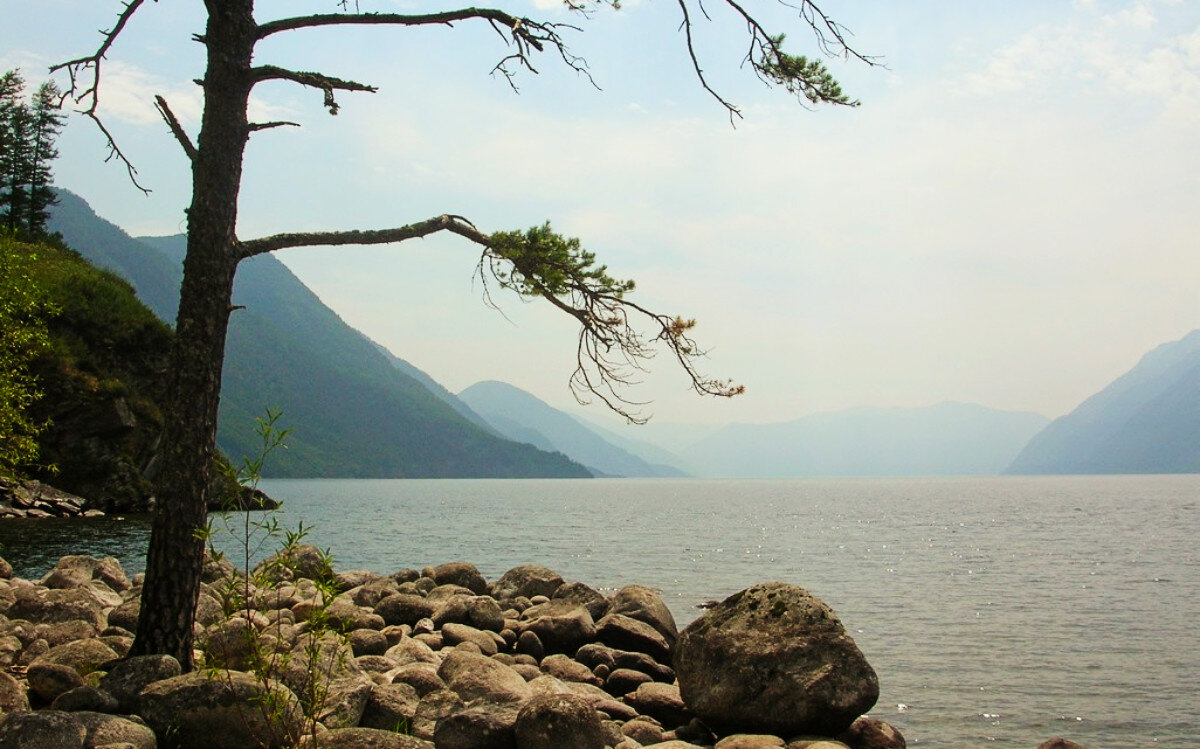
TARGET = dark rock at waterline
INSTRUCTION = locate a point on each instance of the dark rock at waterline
(1059, 742)
(869, 733)
(772, 645)
(526, 580)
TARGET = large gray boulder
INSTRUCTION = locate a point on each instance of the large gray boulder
(73, 571)
(221, 710)
(44, 729)
(556, 721)
(773, 659)
(526, 580)
(476, 677)
(645, 605)
(129, 677)
(461, 573)
(562, 626)
(366, 738)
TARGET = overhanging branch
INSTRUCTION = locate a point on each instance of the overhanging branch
(538, 263)
(445, 222)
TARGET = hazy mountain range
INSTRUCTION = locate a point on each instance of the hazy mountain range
(358, 410)
(354, 411)
(1146, 421)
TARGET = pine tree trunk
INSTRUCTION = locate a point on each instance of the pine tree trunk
(175, 558)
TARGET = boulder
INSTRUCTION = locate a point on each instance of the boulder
(13, 697)
(625, 680)
(390, 707)
(432, 708)
(366, 641)
(643, 731)
(562, 626)
(404, 608)
(749, 741)
(626, 633)
(484, 613)
(86, 698)
(44, 729)
(411, 650)
(366, 738)
(73, 571)
(51, 605)
(477, 677)
(1059, 742)
(557, 721)
(108, 730)
(129, 677)
(587, 597)
(49, 680)
(773, 659)
(526, 580)
(422, 677)
(221, 710)
(464, 574)
(64, 632)
(661, 702)
(645, 605)
(481, 726)
(343, 701)
(84, 656)
(453, 634)
(869, 733)
(566, 669)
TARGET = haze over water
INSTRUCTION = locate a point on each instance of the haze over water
(997, 611)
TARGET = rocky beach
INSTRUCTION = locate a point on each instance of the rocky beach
(420, 659)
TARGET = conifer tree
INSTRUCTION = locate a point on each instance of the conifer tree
(14, 147)
(46, 122)
(27, 148)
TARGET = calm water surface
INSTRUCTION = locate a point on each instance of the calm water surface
(998, 611)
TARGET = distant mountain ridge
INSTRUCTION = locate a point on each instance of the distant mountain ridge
(354, 410)
(1146, 421)
(522, 416)
(939, 440)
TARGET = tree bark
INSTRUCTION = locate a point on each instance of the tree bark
(176, 553)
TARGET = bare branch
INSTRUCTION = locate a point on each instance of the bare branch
(691, 48)
(525, 35)
(326, 83)
(84, 90)
(256, 126)
(176, 129)
(445, 222)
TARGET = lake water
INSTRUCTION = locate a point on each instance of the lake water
(998, 612)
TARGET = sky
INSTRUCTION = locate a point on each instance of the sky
(1010, 217)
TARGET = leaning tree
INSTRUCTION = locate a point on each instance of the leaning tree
(616, 334)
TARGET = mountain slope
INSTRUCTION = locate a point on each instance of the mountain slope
(1146, 421)
(521, 416)
(352, 411)
(944, 439)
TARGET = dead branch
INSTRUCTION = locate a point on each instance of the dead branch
(525, 35)
(176, 129)
(86, 93)
(325, 83)
(256, 126)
